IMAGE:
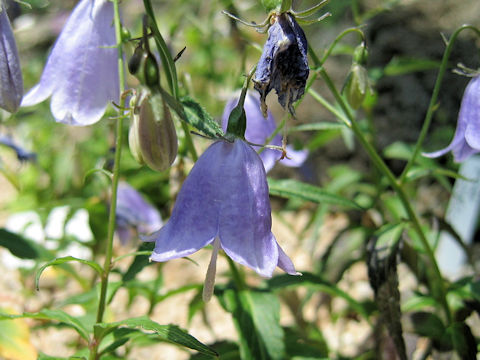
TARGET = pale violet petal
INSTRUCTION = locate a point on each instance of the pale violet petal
(81, 72)
(195, 216)
(285, 263)
(245, 219)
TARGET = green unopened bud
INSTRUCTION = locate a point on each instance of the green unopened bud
(125, 33)
(357, 85)
(136, 60)
(360, 54)
(152, 136)
(150, 71)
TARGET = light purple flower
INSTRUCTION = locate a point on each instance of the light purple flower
(259, 129)
(134, 213)
(11, 84)
(224, 201)
(466, 140)
(81, 73)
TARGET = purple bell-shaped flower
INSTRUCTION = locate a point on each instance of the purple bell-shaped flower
(466, 140)
(259, 130)
(224, 201)
(134, 213)
(11, 83)
(81, 74)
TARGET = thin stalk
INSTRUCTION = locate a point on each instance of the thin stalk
(383, 168)
(433, 100)
(237, 277)
(116, 170)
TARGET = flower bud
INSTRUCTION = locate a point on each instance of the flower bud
(152, 137)
(360, 54)
(150, 70)
(136, 60)
(356, 87)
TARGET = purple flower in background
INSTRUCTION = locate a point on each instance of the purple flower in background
(224, 201)
(81, 73)
(259, 129)
(466, 140)
(134, 213)
(11, 84)
(283, 65)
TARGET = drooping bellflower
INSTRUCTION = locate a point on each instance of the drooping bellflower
(11, 83)
(224, 201)
(259, 130)
(466, 140)
(81, 73)
(283, 65)
(134, 213)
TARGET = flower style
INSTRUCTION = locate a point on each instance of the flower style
(466, 140)
(81, 73)
(224, 201)
(283, 65)
(134, 213)
(259, 130)
(11, 83)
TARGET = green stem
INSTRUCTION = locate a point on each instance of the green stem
(116, 171)
(237, 277)
(433, 100)
(383, 168)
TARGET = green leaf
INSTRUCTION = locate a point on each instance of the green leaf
(15, 341)
(256, 317)
(430, 325)
(264, 309)
(63, 260)
(227, 351)
(21, 247)
(199, 118)
(295, 189)
(463, 340)
(313, 281)
(139, 262)
(53, 315)
(170, 333)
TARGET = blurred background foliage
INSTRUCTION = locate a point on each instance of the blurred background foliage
(329, 241)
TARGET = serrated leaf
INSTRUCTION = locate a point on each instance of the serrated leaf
(63, 260)
(313, 281)
(288, 188)
(53, 315)
(170, 333)
(199, 118)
